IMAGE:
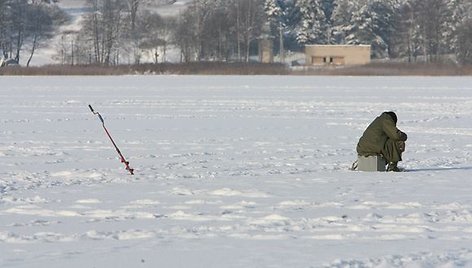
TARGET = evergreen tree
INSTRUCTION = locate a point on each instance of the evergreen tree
(291, 18)
(432, 18)
(311, 28)
(379, 26)
(328, 7)
(403, 41)
(342, 20)
(273, 10)
(275, 15)
(459, 12)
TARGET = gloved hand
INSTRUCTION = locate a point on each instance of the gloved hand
(403, 136)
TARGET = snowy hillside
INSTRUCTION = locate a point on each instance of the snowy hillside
(232, 172)
(77, 8)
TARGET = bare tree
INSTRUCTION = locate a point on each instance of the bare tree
(151, 35)
(18, 27)
(133, 34)
(43, 19)
(249, 19)
(3, 27)
(104, 28)
(185, 35)
(165, 34)
(216, 35)
(26, 24)
(215, 29)
(251, 23)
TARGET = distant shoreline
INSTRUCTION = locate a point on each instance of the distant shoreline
(219, 68)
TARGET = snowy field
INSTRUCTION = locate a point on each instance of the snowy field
(232, 172)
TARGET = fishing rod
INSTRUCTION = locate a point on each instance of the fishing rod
(122, 158)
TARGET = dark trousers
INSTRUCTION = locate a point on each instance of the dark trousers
(392, 151)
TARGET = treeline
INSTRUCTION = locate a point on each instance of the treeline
(129, 32)
(418, 30)
(189, 68)
(243, 68)
(26, 25)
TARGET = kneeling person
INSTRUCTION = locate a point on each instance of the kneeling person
(383, 137)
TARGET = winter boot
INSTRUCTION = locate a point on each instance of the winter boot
(392, 166)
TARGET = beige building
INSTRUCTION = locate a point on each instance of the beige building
(265, 51)
(337, 54)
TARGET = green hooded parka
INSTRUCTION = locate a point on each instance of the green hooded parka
(382, 137)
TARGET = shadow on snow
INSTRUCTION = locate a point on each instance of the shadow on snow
(438, 169)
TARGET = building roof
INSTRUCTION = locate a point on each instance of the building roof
(337, 45)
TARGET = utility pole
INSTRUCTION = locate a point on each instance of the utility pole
(281, 43)
(238, 30)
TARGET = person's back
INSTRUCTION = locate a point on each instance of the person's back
(382, 137)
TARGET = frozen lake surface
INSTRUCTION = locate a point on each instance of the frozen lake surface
(232, 171)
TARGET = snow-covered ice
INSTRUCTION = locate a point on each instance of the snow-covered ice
(232, 171)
